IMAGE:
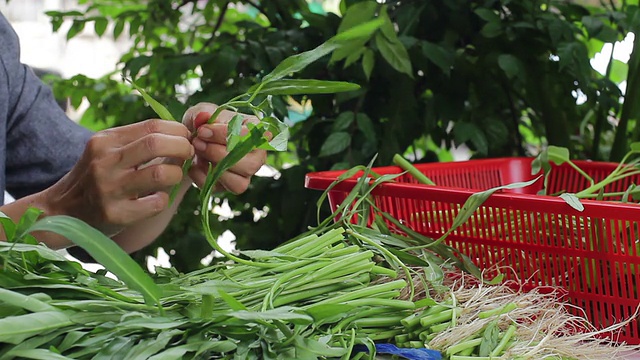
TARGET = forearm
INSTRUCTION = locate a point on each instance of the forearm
(142, 233)
(16, 209)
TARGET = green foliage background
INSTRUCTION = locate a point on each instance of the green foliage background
(500, 76)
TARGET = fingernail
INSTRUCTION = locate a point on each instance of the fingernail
(201, 119)
(193, 151)
(199, 145)
(205, 133)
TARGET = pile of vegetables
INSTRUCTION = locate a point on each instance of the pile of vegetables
(342, 290)
(334, 292)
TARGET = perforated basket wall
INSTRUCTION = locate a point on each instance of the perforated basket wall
(592, 254)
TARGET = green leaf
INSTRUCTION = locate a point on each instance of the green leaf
(558, 155)
(177, 352)
(490, 339)
(100, 25)
(573, 201)
(279, 131)
(304, 86)
(487, 15)
(343, 121)
(318, 348)
(635, 146)
(619, 71)
(233, 131)
(15, 329)
(335, 143)
(438, 55)
(368, 62)
(117, 29)
(392, 50)
(105, 251)
(491, 30)
(365, 30)
(510, 65)
(233, 303)
(366, 127)
(162, 111)
(8, 226)
(475, 201)
(593, 25)
(39, 354)
(357, 14)
(150, 347)
(295, 63)
(466, 131)
(75, 29)
(29, 303)
(27, 220)
(283, 313)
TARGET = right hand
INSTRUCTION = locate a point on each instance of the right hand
(109, 188)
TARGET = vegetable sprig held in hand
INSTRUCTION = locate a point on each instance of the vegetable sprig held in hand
(269, 133)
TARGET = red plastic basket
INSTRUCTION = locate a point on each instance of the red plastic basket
(593, 255)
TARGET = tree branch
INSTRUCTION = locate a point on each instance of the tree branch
(223, 12)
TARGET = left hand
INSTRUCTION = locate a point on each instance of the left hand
(210, 145)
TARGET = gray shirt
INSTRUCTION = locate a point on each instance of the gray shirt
(38, 142)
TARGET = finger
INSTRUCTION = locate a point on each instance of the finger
(145, 207)
(229, 180)
(129, 133)
(127, 212)
(193, 113)
(247, 166)
(153, 146)
(217, 133)
(140, 183)
(190, 115)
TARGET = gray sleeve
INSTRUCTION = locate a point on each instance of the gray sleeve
(43, 144)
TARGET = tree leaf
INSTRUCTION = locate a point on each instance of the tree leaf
(510, 65)
(295, 63)
(573, 201)
(304, 86)
(619, 71)
(105, 251)
(487, 15)
(117, 29)
(368, 62)
(438, 55)
(335, 143)
(366, 127)
(491, 30)
(392, 50)
(100, 25)
(357, 14)
(75, 29)
(343, 121)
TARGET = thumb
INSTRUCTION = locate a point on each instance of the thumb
(197, 115)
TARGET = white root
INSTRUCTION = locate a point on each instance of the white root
(545, 329)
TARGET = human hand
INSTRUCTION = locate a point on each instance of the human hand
(118, 180)
(210, 146)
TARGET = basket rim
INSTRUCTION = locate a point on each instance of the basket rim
(321, 180)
